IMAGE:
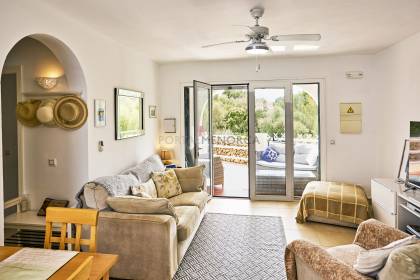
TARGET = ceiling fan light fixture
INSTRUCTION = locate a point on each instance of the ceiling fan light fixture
(305, 47)
(257, 48)
(278, 48)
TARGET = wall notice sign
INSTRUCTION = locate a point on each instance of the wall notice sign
(351, 117)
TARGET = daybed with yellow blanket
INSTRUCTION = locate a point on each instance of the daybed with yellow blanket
(333, 203)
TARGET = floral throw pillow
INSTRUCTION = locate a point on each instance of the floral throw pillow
(167, 184)
(269, 155)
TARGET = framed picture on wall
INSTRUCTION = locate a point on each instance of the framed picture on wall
(129, 113)
(169, 125)
(152, 112)
(100, 112)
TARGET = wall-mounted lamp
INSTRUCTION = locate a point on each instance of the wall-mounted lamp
(46, 82)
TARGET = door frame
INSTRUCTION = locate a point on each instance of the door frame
(287, 86)
(247, 85)
(18, 70)
(322, 120)
(208, 87)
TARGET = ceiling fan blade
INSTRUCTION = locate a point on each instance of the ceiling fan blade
(225, 43)
(296, 37)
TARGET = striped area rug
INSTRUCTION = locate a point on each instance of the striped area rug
(235, 247)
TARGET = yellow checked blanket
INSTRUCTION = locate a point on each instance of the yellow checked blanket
(334, 201)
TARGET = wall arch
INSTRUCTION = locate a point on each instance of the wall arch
(69, 147)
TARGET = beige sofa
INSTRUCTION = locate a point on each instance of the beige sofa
(149, 246)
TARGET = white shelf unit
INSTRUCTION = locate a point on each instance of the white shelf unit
(389, 202)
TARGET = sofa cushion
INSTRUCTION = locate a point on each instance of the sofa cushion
(95, 196)
(402, 263)
(269, 155)
(167, 184)
(140, 205)
(190, 179)
(148, 188)
(198, 199)
(346, 253)
(278, 147)
(144, 169)
(188, 218)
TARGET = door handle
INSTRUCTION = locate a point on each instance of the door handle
(7, 153)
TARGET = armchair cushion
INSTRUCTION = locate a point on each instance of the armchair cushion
(403, 263)
(371, 261)
(190, 179)
(346, 253)
(319, 260)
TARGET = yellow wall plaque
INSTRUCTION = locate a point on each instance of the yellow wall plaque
(350, 117)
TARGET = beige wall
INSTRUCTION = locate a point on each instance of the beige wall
(106, 64)
(397, 81)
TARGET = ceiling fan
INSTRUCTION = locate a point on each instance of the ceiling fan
(259, 34)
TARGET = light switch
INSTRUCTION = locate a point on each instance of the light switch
(52, 162)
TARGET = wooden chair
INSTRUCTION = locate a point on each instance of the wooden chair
(83, 271)
(219, 173)
(74, 216)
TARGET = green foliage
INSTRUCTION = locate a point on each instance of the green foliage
(230, 115)
(237, 121)
(305, 113)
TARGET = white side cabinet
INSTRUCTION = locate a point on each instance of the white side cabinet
(384, 200)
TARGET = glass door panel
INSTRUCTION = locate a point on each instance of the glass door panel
(270, 141)
(189, 130)
(202, 130)
(230, 140)
(306, 132)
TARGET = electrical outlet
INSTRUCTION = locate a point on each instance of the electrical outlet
(52, 162)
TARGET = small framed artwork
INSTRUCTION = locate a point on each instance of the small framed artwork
(100, 112)
(169, 125)
(129, 113)
(152, 111)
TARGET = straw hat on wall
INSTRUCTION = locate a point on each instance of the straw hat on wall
(70, 112)
(45, 113)
(26, 112)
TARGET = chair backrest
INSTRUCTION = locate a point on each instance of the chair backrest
(65, 216)
(83, 271)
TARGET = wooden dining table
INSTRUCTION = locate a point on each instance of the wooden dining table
(101, 265)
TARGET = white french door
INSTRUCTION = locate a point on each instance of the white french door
(267, 179)
(284, 134)
(283, 151)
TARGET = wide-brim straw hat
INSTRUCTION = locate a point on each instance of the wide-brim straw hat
(45, 112)
(70, 112)
(26, 112)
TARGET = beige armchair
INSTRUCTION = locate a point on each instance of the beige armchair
(305, 260)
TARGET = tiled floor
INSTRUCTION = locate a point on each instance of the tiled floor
(236, 181)
(320, 234)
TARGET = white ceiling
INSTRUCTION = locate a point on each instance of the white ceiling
(175, 30)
